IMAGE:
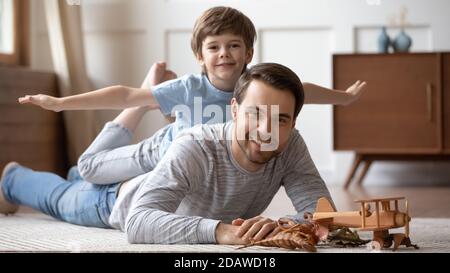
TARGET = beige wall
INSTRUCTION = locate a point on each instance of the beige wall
(123, 38)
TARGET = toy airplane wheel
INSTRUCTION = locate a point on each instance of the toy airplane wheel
(387, 242)
(376, 244)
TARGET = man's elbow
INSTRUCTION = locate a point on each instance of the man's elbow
(131, 238)
(132, 230)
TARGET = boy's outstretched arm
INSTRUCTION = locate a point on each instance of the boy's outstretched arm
(315, 94)
(100, 164)
(113, 97)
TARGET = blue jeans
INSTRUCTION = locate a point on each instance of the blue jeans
(73, 200)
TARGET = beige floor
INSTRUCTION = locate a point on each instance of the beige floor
(28, 233)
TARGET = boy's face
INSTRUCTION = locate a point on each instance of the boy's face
(223, 58)
(258, 123)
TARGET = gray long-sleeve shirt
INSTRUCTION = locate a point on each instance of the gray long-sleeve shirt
(198, 183)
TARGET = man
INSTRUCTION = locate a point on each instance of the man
(213, 182)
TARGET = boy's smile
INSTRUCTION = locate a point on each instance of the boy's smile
(223, 58)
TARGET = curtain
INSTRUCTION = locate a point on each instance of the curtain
(67, 50)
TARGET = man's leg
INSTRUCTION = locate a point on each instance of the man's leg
(77, 202)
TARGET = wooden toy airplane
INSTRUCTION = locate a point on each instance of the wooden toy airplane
(378, 221)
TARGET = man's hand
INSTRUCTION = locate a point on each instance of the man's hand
(256, 228)
(226, 235)
(44, 101)
(241, 231)
(354, 92)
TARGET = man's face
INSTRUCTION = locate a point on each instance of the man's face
(264, 114)
(224, 57)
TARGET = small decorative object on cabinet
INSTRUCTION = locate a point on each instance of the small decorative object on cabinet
(383, 41)
(404, 114)
(402, 42)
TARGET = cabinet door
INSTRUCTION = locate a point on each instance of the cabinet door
(446, 101)
(398, 112)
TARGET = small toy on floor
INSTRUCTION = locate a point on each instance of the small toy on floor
(345, 237)
(291, 236)
(307, 235)
(380, 221)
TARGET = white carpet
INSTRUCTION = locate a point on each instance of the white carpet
(40, 233)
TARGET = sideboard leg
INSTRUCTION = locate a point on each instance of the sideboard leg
(366, 167)
(353, 169)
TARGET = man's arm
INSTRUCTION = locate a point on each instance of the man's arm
(301, 180)
(113, 97)
(228, 235)
(151, 218)
(315, 94)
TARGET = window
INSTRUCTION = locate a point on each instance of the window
(14, 31)
(6, 24)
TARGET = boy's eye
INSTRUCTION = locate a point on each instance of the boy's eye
(235, 45)
(212, 47)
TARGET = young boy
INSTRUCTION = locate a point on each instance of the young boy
(222, 42)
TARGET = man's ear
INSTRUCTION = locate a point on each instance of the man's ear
(249, 56)
(234, 108)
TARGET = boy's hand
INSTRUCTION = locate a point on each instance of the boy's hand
(44, 101)
(354, 92)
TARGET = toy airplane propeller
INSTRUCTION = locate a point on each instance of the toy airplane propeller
(379, 221)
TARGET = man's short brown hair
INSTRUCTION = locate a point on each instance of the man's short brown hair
(219, 20)
(274, 75)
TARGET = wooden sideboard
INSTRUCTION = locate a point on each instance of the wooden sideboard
(29, 135)
(404, 114)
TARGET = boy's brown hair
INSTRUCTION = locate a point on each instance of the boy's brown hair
(219, 20)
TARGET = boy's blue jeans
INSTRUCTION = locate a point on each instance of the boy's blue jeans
(73, 200)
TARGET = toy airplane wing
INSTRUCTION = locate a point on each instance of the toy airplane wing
(325, 211)
(379, 199)
(324, 205)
